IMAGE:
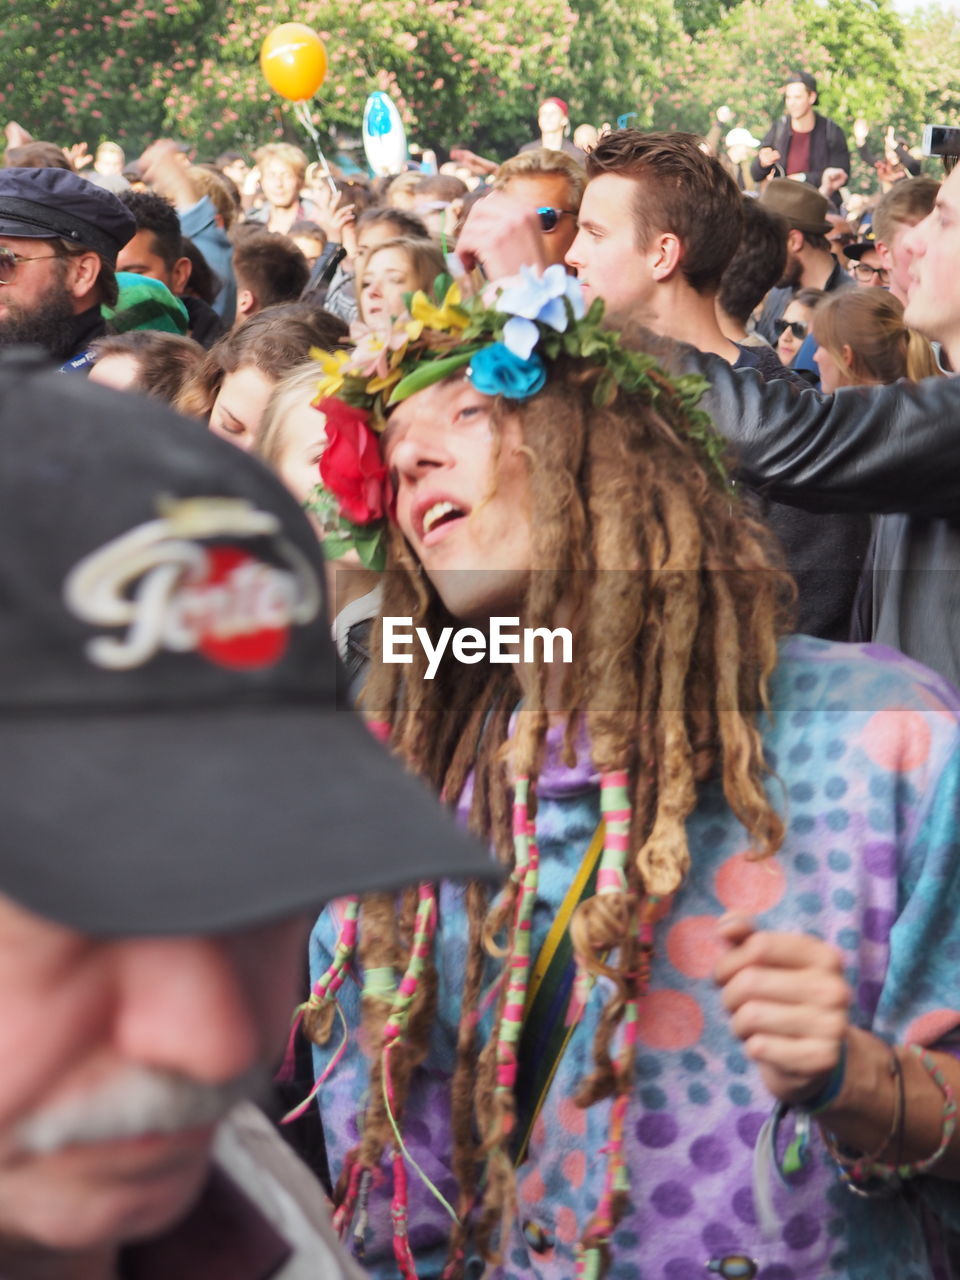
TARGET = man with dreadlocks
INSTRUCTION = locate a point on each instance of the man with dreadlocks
(707, 1027)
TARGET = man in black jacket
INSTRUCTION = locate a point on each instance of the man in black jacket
(802, 144)
(892, 450)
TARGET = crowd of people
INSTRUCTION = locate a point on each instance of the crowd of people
(290, 455)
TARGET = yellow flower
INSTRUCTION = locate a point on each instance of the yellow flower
(332, 363)
(381, 384)
(443, 318)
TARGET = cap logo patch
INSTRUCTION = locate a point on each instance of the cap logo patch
(172, 593)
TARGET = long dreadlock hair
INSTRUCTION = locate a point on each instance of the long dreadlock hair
(677, 604)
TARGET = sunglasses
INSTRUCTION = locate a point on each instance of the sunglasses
(796, 327)
(550, 217)
(846, 238)
(9, 261)
(864, 272)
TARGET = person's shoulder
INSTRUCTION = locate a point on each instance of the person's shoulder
(863, 679)
(831, 125)
(762, 357)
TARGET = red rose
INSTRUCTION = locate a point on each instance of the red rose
(351, 466)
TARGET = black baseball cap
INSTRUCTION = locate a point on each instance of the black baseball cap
(804, 78)
(177, 758)
(856, 251)
(44, 204)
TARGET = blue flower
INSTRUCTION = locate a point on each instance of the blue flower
(532, 297)
(497, 371)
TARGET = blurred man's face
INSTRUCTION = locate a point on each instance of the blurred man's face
(870, 272)
(840, 235)
(280, 183)
(140, 257)
(548, 191)
(896, 257)
(798, 100)
(109, 161)
(933, 301)
(117, 1060)
(550, 118)
(37, 302)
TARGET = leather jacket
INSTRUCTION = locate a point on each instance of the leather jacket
(891, 450)
(875, 449)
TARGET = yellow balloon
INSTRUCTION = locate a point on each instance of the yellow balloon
(294, 61)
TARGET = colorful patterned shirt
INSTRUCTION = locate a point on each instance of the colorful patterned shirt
(864, 745)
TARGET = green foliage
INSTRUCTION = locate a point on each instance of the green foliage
(70, 70)
(701, 15)
(932, 52)
(460, 72)
(468, 71)
(868, 73)
(599, 82)
(741, 64)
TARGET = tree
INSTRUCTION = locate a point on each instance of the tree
(742, 63)
(460, 71)
(932, 50)
(599, 81)
(71, 70)
(857, 49)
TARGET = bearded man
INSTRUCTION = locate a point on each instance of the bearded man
(59, 240)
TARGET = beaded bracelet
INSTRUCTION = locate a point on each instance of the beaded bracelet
(864, 1169)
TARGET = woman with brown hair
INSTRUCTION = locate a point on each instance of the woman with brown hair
(863, 341)
(146, 360)
(389, 271)
(576, 1076)
(239, 373)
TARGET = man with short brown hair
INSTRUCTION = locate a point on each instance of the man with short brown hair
(659, 223)
(902, 207)
(803, 145)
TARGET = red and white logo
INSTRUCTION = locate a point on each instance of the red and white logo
(171, 592)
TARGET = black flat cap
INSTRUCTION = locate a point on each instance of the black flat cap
(43, 204)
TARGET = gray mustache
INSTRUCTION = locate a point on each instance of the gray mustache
(139, 1102)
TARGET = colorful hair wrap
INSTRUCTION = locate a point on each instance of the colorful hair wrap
(616, 1185)
(425, 924)
(324, 992)
(518, 965)
(615, 809)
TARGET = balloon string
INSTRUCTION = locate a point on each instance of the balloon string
(302, 111)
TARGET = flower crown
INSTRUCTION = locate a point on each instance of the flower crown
(506, 335)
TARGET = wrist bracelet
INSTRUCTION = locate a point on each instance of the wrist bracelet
(857, 1171)
(830, 1090)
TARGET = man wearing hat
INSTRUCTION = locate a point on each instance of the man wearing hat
(866, 265)
(810, 264)
(739, 145)
(59, 240)
(181, 790)
(802, 144)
